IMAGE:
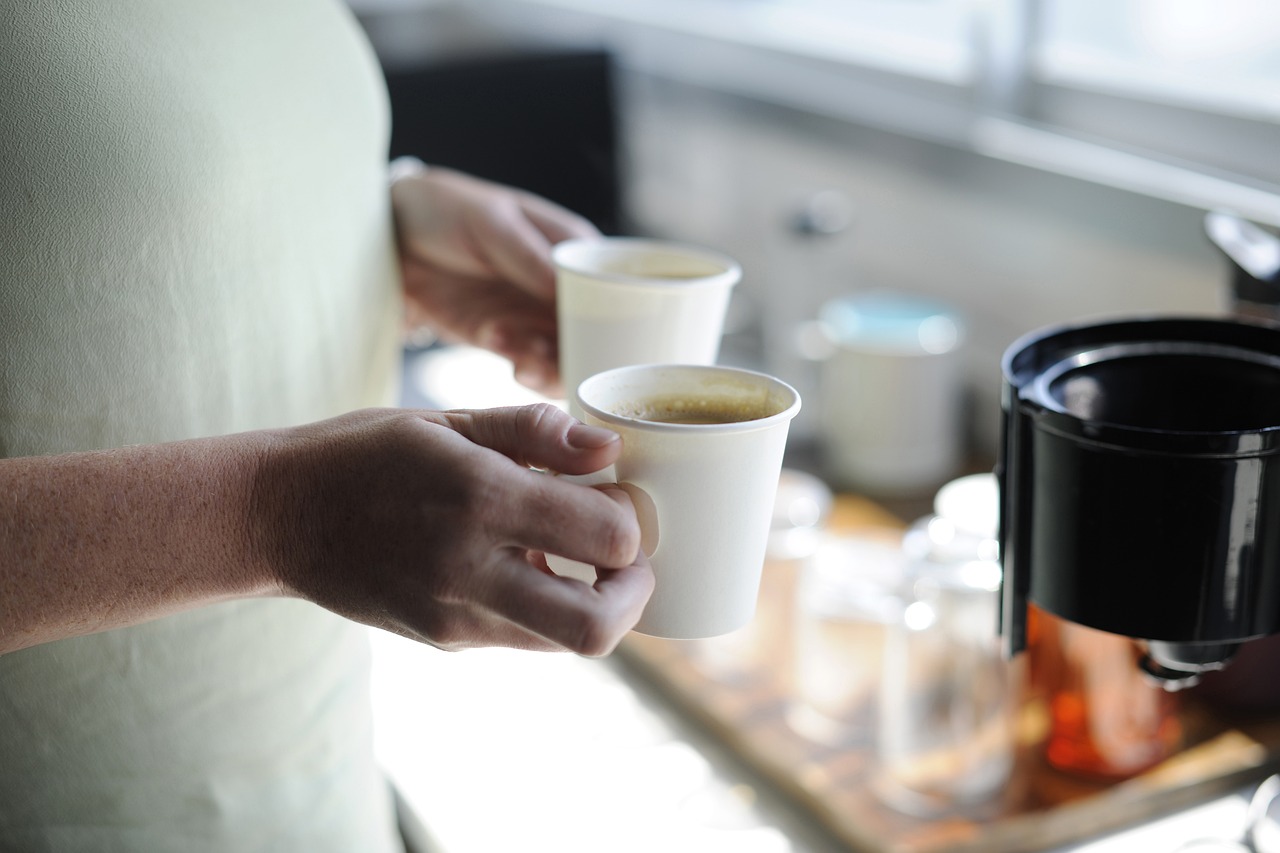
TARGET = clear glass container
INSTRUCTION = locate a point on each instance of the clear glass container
(848, 594)
(949, 701)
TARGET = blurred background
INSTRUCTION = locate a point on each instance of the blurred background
(1026, 161)
(1015, 163)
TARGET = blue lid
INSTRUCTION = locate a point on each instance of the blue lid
(892, 320)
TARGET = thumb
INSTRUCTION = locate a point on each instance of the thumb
(539, 436)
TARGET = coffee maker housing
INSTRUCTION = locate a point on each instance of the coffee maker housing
(1139, 475)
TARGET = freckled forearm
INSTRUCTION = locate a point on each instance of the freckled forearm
(92, 541)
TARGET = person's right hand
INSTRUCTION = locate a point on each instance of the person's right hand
(430, 525)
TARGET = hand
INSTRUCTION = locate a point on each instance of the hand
(476, 259)
(432, 524)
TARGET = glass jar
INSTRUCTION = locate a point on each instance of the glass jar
(948, 733)
(848, 594)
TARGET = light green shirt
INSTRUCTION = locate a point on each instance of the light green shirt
(195, 239)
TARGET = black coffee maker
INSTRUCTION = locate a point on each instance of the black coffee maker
(1139, 473)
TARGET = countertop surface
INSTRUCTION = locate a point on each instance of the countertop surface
(504, 750)
(500, 749)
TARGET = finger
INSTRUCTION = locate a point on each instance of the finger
(555, 222)
(499, 318)
(467, 306)
(587, 620)
(532, 351)
(483, 631)
(521, 249)
(545, 513)
(596, 525)
(517, 250)
(539, 436)
(536, 368)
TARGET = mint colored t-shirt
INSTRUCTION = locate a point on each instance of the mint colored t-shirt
(195, 239)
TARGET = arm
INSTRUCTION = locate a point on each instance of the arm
(92, 541)
(421, 523)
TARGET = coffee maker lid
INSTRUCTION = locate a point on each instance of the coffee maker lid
(1182, 385)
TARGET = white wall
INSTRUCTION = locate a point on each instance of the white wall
(1011, 247)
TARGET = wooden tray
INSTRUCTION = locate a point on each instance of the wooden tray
(741, 694)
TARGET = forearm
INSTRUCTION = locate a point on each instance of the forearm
(417, 522)
(92, 541)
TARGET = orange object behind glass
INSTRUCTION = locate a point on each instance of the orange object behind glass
(1106, 719)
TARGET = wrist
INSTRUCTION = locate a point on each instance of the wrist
(279, 523)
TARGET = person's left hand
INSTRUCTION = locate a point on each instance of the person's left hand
(476, 259)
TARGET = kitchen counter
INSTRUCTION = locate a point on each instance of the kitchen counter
(668, 746)
(503, 750)
(683, 746)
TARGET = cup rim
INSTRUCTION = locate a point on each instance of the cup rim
(1043, 355)
(776, 384)
(566, 256)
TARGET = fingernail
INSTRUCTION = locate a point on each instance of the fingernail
(583, 437)
(616, 493)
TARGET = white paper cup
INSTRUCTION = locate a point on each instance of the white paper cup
(624, 300)
(704, 492)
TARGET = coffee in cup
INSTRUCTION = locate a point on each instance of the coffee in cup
(627, 300)
(702, 451)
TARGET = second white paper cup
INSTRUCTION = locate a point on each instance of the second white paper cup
(704, 492)
(625, 300)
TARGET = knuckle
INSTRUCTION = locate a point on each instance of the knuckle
(404, 426)
(620, 542)
(596, 637)
(444, 626)
(537, 419)
(438, 631)
(496, 216)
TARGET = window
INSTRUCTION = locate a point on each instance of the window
(1220, 56)
(1196, 81)
(1178, 99)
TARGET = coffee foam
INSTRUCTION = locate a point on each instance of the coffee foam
(689, 409)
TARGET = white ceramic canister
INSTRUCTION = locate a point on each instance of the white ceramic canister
(891, 393)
